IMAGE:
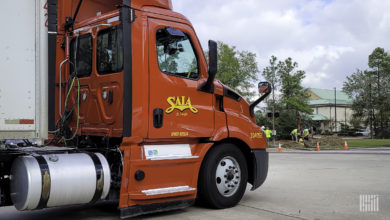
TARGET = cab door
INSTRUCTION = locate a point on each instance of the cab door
(177, 68)
(98, 58)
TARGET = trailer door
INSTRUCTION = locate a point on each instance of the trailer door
(177, 109)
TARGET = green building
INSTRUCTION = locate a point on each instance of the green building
(330, 109)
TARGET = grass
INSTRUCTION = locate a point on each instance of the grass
(368, 142)
(352, 143)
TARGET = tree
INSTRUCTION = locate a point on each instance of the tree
(359, 87)
(378, 61)
(370, 90)
(293, 103)
(237, 69)
(270, 74)
(293, 94)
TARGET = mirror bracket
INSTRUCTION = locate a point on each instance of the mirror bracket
(266, 91)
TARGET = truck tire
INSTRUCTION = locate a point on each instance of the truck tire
(223, 177)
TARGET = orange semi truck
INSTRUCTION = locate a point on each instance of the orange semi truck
(134, 114)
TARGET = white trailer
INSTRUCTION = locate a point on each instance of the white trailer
(23, 70)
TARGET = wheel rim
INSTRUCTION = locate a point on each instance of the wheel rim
(228, 176)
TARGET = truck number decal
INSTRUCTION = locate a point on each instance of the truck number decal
(256, 135)
(179, 134)
(180, 104)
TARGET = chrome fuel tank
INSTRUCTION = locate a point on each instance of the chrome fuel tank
(41, 181)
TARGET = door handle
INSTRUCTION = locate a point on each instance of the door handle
(158, 114)
(110, 96)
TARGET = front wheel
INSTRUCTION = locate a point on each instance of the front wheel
(223, 177)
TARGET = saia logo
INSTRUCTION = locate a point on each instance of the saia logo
(181, 104)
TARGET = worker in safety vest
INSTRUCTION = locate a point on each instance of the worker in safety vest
(306, 134)
(268, 134)
(294, 134)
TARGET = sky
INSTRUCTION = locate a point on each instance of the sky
(329, 39)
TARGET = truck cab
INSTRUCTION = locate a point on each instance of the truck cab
(130, 83)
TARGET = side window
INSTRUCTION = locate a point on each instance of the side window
(109, 51)
(81, 55)
(175, 54)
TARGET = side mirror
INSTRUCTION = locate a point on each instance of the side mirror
(265, 89)
(213, 59)
(213, 68)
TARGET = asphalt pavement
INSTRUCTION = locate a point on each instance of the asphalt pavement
(352, 184)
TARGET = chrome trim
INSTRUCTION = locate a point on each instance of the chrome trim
(110, 20)
(176, 157)
(160, 191)
(60, 84)
(77, 31)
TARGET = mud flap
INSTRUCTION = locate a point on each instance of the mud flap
(260, 168)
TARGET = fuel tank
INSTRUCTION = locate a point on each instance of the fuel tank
(40, 181)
